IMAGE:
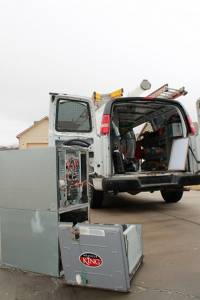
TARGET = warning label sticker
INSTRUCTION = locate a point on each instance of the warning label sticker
(91, 231)
(90, 260)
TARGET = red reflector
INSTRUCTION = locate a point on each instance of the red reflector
(105, 125)
(192, 128)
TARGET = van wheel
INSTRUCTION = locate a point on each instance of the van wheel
(172, 196)
(96, 199)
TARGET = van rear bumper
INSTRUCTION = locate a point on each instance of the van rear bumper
(149, 183)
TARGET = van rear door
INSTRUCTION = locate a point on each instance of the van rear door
(70, 118)
(194, 153)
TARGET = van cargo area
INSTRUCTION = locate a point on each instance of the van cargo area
(143, 133)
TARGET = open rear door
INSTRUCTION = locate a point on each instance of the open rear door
(70, 118)
(194, 148)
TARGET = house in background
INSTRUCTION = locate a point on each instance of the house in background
(35, 136)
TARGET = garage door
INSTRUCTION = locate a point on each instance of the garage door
(36, 145)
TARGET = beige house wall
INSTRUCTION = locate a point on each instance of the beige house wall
(36, 136)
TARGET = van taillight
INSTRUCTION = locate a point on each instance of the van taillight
(191, 126)
(105, 125)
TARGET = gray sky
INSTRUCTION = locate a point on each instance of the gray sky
(78, 46)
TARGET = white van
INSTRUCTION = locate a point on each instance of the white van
(160, 158)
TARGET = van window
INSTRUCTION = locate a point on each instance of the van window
(73, 116)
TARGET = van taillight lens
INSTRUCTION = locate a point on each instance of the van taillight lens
(191, 126)
(105, 125)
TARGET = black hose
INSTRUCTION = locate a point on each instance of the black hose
(197, 161)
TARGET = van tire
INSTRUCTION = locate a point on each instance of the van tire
(172, 196)
(96, 199)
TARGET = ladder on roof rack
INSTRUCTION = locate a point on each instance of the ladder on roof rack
(165, 92)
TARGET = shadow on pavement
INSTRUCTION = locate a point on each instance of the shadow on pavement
(127, 202)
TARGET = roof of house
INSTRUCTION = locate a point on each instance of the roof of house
(35, 123)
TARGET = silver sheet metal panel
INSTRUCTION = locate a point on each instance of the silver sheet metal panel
(28, 210)
(28, 179)
(29, 240)
(134, 246)
(97, 255)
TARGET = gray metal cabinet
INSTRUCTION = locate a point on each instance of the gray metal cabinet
(29, 210)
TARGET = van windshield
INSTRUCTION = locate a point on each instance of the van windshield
(73, 116)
